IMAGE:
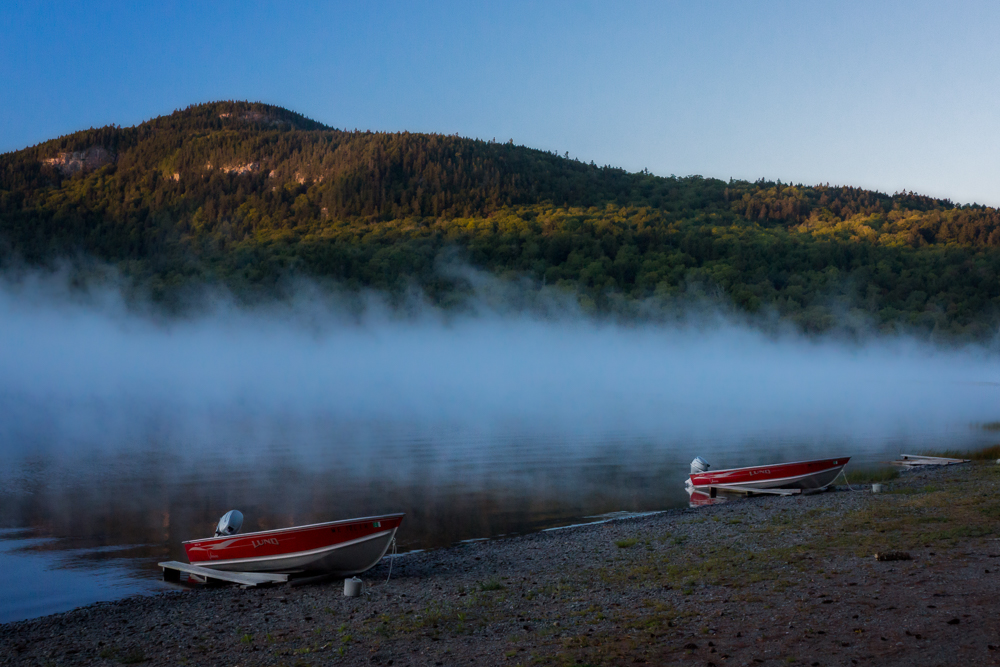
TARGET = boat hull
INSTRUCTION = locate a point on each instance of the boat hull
(341, 548)
(804, 475)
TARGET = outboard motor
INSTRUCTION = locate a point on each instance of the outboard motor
(699, 465)
(230, 523)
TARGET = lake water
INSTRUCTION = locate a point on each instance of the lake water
(122, 434)
(78, 527)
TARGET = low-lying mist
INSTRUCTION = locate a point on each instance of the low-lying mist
(125, 431)
(82, 372)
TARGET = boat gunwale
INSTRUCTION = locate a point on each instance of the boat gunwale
(292, 529)
(771, 480)
(773, 465)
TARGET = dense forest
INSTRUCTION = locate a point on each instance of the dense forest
(246, 195)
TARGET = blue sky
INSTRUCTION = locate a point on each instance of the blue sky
(885, 95)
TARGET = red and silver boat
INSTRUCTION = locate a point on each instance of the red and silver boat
(341, 548)
(797, 476)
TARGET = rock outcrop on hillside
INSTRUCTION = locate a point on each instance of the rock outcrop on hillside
(86, 160)
(245, 168)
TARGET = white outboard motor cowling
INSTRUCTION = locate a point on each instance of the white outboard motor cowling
(699, 465)
(230, 523)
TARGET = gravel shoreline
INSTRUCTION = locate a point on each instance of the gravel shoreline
(765, 580)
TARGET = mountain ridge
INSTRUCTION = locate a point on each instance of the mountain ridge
(244, 193)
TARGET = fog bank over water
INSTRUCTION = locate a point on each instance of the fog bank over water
(124, 432)
(88, 374)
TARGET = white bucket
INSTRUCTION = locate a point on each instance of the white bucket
(878, 488)
(352, 587)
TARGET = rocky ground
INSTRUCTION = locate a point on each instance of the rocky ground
(760, 581)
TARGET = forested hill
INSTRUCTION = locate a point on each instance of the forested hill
(246, 194)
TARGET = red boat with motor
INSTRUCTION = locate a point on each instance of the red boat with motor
(795, 477)
(341, 548)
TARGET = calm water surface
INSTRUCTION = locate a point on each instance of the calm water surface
(81, 526)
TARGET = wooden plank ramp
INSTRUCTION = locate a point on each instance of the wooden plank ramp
(172, 572)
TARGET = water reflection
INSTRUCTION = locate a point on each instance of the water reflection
(161, 499)
(698, 498)
(90, 525)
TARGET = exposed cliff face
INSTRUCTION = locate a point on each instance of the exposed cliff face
(253, 116)
(258, 117)
(245, 168)
(87, 160)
